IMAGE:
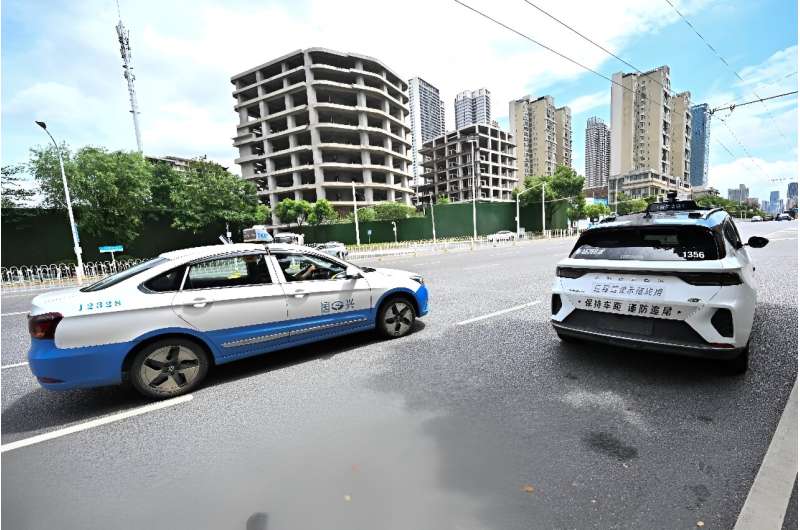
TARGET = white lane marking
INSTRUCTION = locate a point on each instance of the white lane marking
(13, 365)
(17, 313)
(768, 499)
(486, 266)
(782, 239)
(781, 230)
(95, 423)
(497, 313)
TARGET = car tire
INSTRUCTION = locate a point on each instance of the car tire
(169, 368)
(739, 364)
(396, 317)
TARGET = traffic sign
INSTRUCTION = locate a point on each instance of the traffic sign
(111, 248)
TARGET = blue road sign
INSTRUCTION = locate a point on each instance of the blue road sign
(111, 248)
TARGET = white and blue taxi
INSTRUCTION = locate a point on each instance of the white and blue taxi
(164, 323)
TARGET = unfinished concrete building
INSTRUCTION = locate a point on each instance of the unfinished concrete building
(315, 121)
(450, 163)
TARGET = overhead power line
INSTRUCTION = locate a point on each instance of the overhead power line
(734, 105)
(729, 67)
(573, 61)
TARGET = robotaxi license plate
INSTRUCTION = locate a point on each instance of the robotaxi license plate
(652, 309)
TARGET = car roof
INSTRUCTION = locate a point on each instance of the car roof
(210, 250)
(699, 217)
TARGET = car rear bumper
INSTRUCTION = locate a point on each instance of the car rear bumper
(654, 344)
(67, 368)
(421, 296)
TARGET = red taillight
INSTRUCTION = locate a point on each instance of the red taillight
(44, 326)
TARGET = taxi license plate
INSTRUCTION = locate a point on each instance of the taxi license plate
(651, 309)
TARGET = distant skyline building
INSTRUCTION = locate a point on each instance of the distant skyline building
(473, 106)
(791, 195)
(597, 152)
(774, 202)
(701, 136)
(426, 110)
(543, 134)
(650, 134)
(739, 194)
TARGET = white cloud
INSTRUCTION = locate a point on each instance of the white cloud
(750, 173)
(589, 101)
(184, 58)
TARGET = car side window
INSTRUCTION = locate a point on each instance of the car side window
(233, 271)
(303, 267)
(166, 282)
(731, 234)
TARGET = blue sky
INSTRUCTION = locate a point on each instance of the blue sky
(60, 63)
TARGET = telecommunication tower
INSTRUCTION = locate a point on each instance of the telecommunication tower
(125, 52)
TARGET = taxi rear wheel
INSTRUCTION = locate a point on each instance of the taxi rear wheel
(396, 317)
(168, 368)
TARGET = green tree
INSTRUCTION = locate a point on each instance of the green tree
(13, 194)
(293, 211)
(367, 213)
(321, 212)
(442, 199)
(206, 193)
(596, 211)
(108, 189)
(565, 184)
(165, 179)
(393, 211)
(625, 204)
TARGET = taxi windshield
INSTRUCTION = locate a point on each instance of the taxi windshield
(674, 243)
(108, 281)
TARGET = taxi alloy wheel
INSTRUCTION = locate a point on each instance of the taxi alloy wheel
(396, 318)
(169, 368)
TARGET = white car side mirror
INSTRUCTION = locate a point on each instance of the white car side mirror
(352, 272)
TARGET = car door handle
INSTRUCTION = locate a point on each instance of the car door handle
(200, 302)
(299, 293)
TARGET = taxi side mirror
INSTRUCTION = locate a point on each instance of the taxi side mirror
(352, 272)
(757, 242)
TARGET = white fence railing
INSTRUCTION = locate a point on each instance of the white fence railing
(59, 274)
(401, 248)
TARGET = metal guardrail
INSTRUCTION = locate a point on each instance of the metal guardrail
(32, 277)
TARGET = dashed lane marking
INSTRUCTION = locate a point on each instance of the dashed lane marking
(498, 313)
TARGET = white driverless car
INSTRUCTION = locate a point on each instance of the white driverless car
(675, 279)
(162, 324)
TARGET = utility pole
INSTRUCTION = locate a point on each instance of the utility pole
(125, 51)
(433, 220)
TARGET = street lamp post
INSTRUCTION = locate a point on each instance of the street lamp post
(355, 214)
(72, 226)
(523, 193)
(474, 190)
(394, 229)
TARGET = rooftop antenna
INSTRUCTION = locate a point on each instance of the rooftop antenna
(125, 51)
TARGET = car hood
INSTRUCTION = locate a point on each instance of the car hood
(396, 273)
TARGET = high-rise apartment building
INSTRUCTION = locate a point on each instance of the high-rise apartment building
(473, 107)
(316, 122)
(597, 153)
(427, 120)
(475, 156)
(701, 137)
(543, 133)
(739, 194)
(650, 128)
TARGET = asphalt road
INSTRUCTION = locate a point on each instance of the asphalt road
(494, 424)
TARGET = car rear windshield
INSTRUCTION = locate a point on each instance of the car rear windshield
(674, 243)
(114, 279)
